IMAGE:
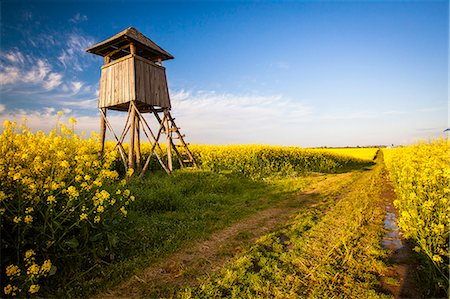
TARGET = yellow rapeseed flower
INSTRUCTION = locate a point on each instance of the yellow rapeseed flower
(83, 216)
(130, 172)
(46, 267)
(8, 289)
(64, 164)
(33, 269)
(17, 219)
(73, 192)
(29, 210)
(97, 219)
(29, 253)
(123, 211)
(100, 209)
(51, 199)
(34, 288)
(12, 270)
(28, 219)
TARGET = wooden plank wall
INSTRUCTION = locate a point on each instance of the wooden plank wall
(117, 83)
(133, 78)
(151, 83)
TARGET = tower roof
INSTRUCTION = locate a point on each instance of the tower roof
(144, 46)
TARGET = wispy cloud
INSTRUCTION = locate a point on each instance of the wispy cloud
(73, 53)
(78, 18)
(370, 114)
(13, 71)
(232, 118)
(205, 117)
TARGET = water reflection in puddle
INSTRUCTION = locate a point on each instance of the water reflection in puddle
(392, 239)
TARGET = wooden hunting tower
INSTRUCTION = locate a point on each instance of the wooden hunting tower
(134, 80)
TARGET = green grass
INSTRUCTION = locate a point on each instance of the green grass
(171, 212)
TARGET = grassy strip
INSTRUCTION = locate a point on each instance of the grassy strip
(315, 256)
(173, 211)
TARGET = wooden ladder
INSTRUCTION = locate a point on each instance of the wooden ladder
(179, 146)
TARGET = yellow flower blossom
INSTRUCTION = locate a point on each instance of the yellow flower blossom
(65, 164)
(28, 219)
(73, 192)
(83, 216)
(123, 211)
(100, 209)
(29, 254)
(12, 270)
(97, 219)
(29, 210)
(33, 269)
(130, 172)
(17, 219)
(51, 199)
(8, 289)
(34, 288)
(46, 267)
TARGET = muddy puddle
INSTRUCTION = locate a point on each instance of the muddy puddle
(392, 239)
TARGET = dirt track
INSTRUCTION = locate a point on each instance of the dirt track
(186, 266)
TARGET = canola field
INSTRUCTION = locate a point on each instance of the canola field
(421, 176)
(60, 199)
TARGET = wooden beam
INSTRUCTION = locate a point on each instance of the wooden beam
(188, 152)
(119, 144)
(131, 158)
(132, 48)
(110, 54)
(161, 127)
(154, 142)
(168, 140)
(102, 131)
(155, 112)
(138, 143)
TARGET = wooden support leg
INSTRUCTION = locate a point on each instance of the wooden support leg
(102, 130)
(138, 143)
(131, 157)
(169, 140)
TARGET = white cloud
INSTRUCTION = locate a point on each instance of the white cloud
(9, 75)
(205, 117)
(15, 57)
(227, 118)
(2, 108)
(38, 75)
(77, 18)
(74, 55)
(82, 104)
(76, 86)
(53, 81)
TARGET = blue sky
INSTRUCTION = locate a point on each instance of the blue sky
(307, 73)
